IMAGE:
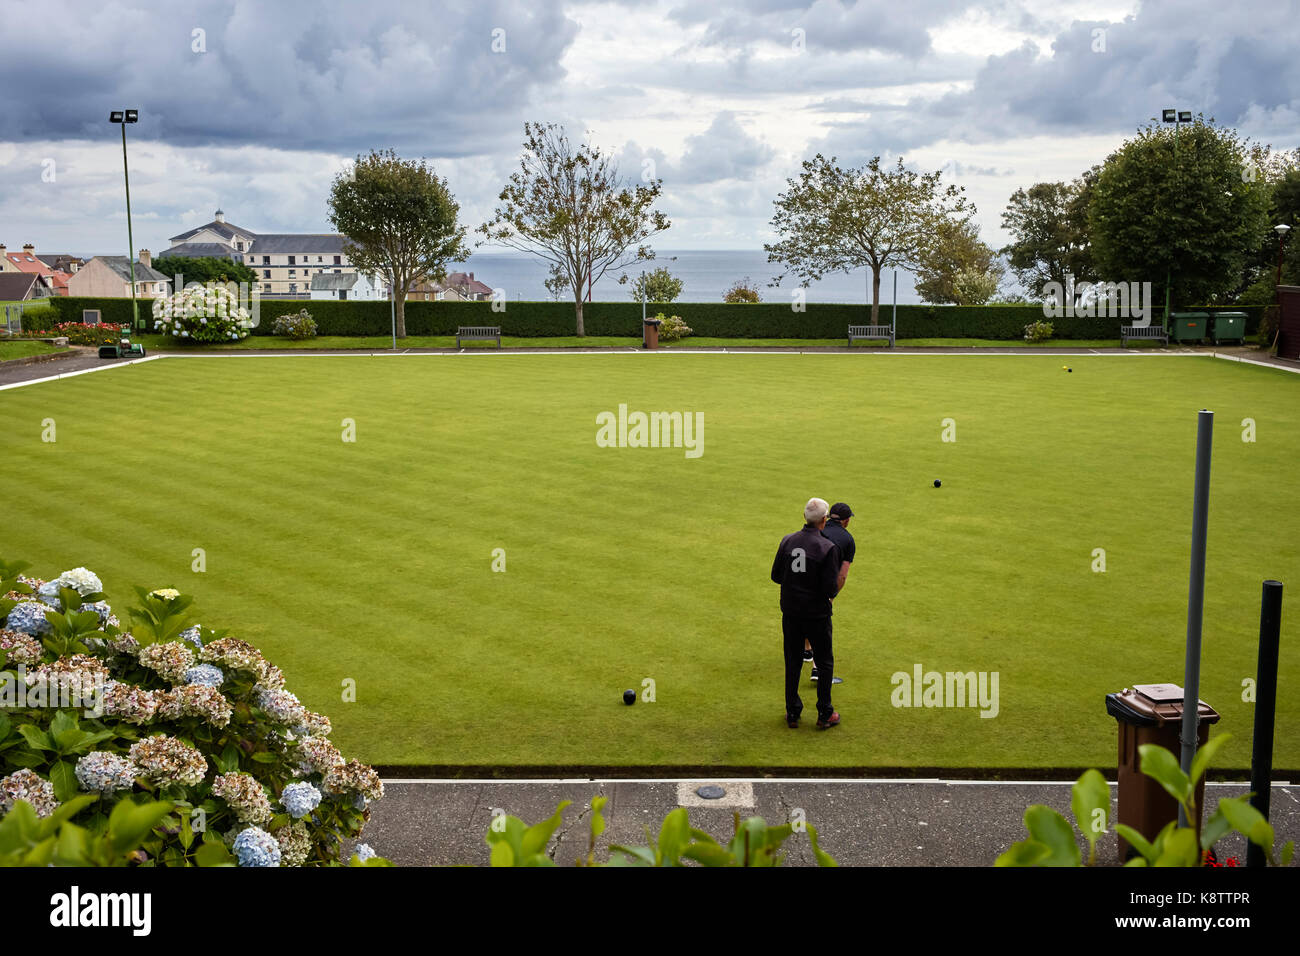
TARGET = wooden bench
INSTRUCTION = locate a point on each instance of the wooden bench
(478, 332)
(1146, 333)
(885, 332)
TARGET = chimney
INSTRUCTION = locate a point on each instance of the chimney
(145, 258)
(3, 253)
(28, 249)
(220, 216)
(471, 277)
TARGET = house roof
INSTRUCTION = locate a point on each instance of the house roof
(467, 281)
(226, 229)
(333, 281)
(199, 250)
(281, 243)
(55, 261)
(33, 263)
(17, 286)
(143, 273)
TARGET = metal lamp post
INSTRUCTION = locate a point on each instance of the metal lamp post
(1177, 117)
(121, 118)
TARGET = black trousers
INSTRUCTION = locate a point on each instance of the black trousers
(817, 631)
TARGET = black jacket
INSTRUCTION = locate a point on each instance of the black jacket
(807, 567)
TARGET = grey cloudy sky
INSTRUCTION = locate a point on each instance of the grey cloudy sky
(254, 106)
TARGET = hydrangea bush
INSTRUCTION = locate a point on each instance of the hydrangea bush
(298, 326)
(194, 730)
(209, 313)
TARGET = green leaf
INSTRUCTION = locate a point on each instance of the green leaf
(708, 854)
(1214, 829)
(213, 854)
(1180, 849)
(1137, 841)
(597, 818)
(1051, 829)
(502, 855)
(72, 847)
(1261, 834)
(537, 836)
(823, 858)
(64, 777)
(36, 737)
(1024, 853)
(1241, 815)
(1288, 850)
(1090, 801)
(674, 835)
(1205, 754)
(636, 856)
(130, 823)
(1162, 766)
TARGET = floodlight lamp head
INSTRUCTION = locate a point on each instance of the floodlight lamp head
(1169, 115)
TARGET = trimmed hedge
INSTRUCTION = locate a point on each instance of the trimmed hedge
(764, 320)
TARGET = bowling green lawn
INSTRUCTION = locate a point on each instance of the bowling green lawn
(371, 562)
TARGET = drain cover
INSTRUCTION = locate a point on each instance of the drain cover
(711, 792)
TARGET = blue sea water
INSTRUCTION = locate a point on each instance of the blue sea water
(705, 273)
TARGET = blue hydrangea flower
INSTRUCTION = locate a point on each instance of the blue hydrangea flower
(191, 634)
(29, 617)
(255, 847)
(300, 799)
(209, 675)
(49, 593)
(364, 852)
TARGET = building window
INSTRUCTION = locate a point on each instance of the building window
(266, 287)
(319, 259)
(291, 260)
(338, 261)
(293, 273)
(293, 287)
(266, 260)
(266, 273)
(338, 271)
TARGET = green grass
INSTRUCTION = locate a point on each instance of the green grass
(158, 343)
(371, 561)
(17, 349)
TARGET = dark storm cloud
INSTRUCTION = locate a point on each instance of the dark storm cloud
(1217, 62)
(293, 75)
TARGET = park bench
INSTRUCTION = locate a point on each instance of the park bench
(885, 332)
(478, 332)
(1145, 332)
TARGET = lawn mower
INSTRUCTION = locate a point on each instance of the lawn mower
(123, 348)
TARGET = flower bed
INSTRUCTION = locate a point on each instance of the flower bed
(173, 717)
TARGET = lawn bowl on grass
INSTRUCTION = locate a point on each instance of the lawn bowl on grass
(440, 555)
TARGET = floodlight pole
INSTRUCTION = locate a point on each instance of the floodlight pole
(1196, 596)
(130, 239)
(392, 307)
(1169, 268)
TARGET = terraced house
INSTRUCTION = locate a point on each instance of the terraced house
(285, 263)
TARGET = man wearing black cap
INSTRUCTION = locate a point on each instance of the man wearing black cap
(807, 566)
(837, 525)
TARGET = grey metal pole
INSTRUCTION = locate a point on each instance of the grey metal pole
(894, 318)
(1261, 757)
(1196, 595)
(130, 240)
(392, 309)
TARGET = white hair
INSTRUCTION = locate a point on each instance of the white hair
(815, 510)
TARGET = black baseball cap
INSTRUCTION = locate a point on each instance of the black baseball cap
(841, 510)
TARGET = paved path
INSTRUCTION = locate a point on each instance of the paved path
(860, 823)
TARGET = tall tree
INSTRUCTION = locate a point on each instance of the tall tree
(657, 285)
(1050, 224)
(1191, 214)
(204, 269)
(834, 219)
(400, 222)
(568, 205)
(958, 268)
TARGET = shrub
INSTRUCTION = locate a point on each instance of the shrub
(672, 328)
(79, 333)
(298, 326)
(1039, 331)
(169, 711)
(209, 313)
(742, 292)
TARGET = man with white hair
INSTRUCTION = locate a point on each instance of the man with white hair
(807, 567)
